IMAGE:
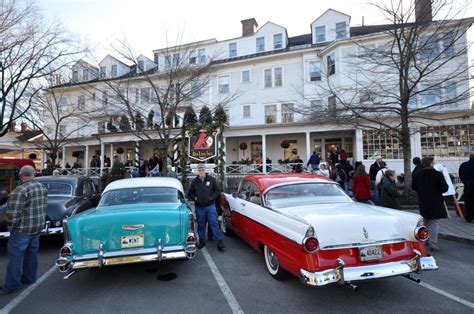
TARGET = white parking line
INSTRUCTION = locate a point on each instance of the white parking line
(448, 295)
(10, 306)
(234, 305)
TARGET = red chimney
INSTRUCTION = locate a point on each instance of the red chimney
(24, 127)
(423, 12)
(249, 26)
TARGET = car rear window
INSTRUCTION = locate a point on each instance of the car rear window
(58, 188)
(140, 195)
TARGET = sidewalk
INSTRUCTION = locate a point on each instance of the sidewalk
(454, 229)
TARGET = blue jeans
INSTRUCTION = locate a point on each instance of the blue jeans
(376, 197)
(207, 213)
(22, 260)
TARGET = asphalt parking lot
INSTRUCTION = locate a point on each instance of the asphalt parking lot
(237, 282)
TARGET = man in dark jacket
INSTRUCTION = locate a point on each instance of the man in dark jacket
(374, 169)
(466, 174)
(314, 162)
(430, 186)
(204, 191)
(417, 163)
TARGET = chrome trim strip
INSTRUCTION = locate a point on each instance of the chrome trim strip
(342, 274)
(129, 252)
(361, 245)
(5, 234)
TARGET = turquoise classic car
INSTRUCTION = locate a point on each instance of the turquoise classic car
(137, 220)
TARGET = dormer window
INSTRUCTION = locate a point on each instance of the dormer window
(85, 74)
(202, 56)
(192, 57)
(232, 50)
(320, 34)
(141, 65)
(341, 30)
(260, 44)
(113, 71)
(278, 41)
(75, 76)
(102, 72)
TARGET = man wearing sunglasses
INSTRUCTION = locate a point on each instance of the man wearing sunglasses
(204, 191)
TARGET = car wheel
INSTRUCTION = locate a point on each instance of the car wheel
(273, 264)
(224, 224)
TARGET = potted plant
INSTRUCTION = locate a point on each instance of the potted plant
(243, 146)
(119, 150)
(32, 156)
(285, 144)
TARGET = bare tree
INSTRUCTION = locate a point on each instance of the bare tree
(154, 100)
(407, 75)
(31, 49)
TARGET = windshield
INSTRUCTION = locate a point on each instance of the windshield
(140, 196)
(58, 188)
(298, 194)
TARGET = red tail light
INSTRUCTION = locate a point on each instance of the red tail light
(65, 250)
(422, 233)
(311, 244)
(191, 238)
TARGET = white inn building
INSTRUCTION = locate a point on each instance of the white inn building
(272, 77)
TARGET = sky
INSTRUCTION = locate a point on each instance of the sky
(154, 24)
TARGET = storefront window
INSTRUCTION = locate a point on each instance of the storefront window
(383, 143)
(447, 141)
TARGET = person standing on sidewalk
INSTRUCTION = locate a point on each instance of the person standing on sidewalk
(390, 197)
(26, 217)
(466, 174)
(314, 162)
(374, 169)
(204, 191)
(430, 186)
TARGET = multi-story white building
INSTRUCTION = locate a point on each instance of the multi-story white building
(272, 76)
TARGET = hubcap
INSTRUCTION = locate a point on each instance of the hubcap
(272, 259)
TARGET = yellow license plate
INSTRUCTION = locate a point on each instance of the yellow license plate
(132, 241)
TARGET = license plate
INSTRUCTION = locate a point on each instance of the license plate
(370, 253)
(132, 241)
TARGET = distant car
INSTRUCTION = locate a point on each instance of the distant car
(137, 220)
(306, 225)
(67, 195)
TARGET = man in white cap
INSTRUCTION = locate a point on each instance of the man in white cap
(374, 169)
(26, 216)
(204, 191)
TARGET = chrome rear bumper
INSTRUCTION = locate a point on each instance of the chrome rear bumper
(341, 274)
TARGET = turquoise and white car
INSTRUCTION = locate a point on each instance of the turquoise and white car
(137, 220)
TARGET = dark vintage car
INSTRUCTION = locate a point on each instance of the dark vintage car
(67, 195)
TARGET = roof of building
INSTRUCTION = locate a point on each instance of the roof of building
(28, 135)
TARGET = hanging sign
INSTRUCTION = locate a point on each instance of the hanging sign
(203, 145)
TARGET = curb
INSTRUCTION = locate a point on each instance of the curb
(455, 238)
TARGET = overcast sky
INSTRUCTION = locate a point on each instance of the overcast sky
(147, 23)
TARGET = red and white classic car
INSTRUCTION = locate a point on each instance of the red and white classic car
(306, 225)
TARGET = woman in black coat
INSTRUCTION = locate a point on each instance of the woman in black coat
(390, 197)
(430, 186)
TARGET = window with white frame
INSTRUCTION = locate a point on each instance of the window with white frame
(80, 130)
(85, 74)
(105, 98)
(103, 72)
(145, 95)
(278, 41)
(62, 104)
(202, 56)
(196, 88)
(451, 92)
(447, 140)
(192, 57)
(113, 71)
(315, 71)
(175, 60)
(448, 44)
(101, 127)
(246, 111)
(381, 142)
(431, 96)
(270, 114)
(287, 113)
(81, 102)
(168, 62)
(246, 76)
(332, 105)
(341, 31)
(320, 34)
(75, 76)
(331, 64)
(224, 84)
(273, 77)
(260, 41)
(62, 130)
(232, 50)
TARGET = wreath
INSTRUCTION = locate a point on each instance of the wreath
(120, 150)
(243, 146)
(76, 153)
(285, 144)
(32, 156)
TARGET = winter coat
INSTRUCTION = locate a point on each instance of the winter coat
(390, 197)
(204, 192)
(313, 160)
(374, 168)
(430, 186)
(361, 187)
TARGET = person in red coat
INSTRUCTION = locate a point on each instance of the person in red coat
(361, 185)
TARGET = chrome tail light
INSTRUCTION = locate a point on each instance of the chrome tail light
(422, 233)
(310, 242)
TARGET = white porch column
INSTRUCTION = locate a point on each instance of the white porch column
(64, 157)
(225, 156)
(102, 153)
(42, 158)
(415, 143)
(137, 154)
(323, 150)
(264, 153)
(86, 161)
(308, 146)
(359, 148)
(111, 155)
(22, 153)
